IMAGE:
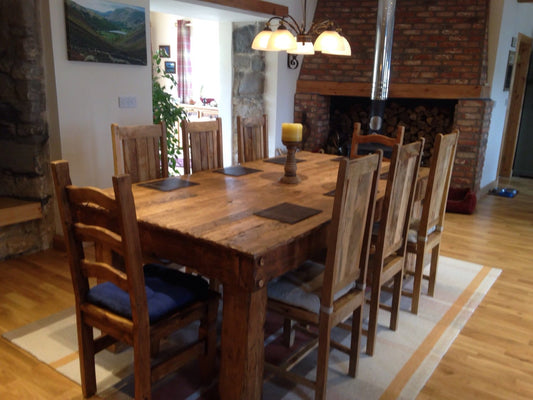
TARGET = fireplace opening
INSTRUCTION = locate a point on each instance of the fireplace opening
(421, 118)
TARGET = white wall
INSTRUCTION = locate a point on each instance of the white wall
(280, 85)
(87, 102)
(508, 18)
(163, 31)
(88, 93)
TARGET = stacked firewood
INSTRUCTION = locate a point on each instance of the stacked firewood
(421, 118)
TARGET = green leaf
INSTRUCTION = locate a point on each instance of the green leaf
(166, 109)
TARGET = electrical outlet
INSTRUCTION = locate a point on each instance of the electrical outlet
(127, 102)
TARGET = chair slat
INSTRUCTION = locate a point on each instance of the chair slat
(252, 138)
(202, 145)
(358, 138)
(140, 151)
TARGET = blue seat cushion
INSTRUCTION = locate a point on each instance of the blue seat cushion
(167, 290)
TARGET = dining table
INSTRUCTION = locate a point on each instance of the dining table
(241, 226)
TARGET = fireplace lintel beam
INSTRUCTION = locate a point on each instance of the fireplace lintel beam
(396, 90)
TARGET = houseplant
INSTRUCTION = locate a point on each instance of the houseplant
(166, 108)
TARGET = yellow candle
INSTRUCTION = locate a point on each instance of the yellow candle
(291, 132)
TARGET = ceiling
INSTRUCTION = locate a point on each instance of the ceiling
(209, 11)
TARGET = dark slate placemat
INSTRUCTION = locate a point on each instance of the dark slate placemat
(280, 160)
(168, 184)
(288, 213)
(237, 170)
(330, 193)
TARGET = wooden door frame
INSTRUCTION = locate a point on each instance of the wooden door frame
(514, 106)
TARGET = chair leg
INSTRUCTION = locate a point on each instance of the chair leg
(418, 277)
(433, 269)
(373, 316)
(323, 356)
(396, 298)
(154, 347)
(289, 333)
(86, 355)
(208, 331)
(355, 346)
(142, 366)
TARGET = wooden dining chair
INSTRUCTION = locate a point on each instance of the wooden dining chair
(202, 145)
(426, 232)
(140, 151)
(133, 303)
(252, 138)
(380, 141)
(389, 242)
(324, 296)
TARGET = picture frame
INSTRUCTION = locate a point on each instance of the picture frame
(106, 38)
(164, 51)
(170, 67)
(509, 70)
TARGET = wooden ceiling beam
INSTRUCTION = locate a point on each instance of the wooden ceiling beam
(253, 5)
(363, 89)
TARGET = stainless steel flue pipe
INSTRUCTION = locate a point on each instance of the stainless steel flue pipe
(382, 63)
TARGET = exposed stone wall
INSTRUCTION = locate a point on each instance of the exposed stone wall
(248, 76)
(24, 153)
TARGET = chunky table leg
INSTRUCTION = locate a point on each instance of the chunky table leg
(242, 348)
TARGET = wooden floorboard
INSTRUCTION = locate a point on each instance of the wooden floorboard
(492, 358)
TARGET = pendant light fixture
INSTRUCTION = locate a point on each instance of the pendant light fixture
(329, 39)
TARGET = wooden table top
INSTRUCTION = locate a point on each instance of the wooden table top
(220, 208)
(213, 222)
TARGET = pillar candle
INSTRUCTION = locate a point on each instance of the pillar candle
(291, 132)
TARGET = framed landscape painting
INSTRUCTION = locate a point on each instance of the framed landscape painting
(105, 31)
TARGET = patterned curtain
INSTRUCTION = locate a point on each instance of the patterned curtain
(183, 62)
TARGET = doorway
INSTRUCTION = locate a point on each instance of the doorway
(523, 162)
(515, 106)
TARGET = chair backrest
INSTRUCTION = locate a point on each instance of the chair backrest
(117, 256)
(440, 174)
(140, 151)
(374, 138)
(349, 238)
(202, 145)
(252, 138)
(398, 201)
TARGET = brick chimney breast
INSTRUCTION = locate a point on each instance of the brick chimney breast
(439, 52)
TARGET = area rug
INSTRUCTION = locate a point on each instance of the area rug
(402, 362)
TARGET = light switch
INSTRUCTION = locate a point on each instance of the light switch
(127, 102)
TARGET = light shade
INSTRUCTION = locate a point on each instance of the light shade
(261, 40)
(330, 42)
(281, 39)
(336, 51)
(305, 48)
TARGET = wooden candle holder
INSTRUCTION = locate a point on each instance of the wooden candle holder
(290, 163)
